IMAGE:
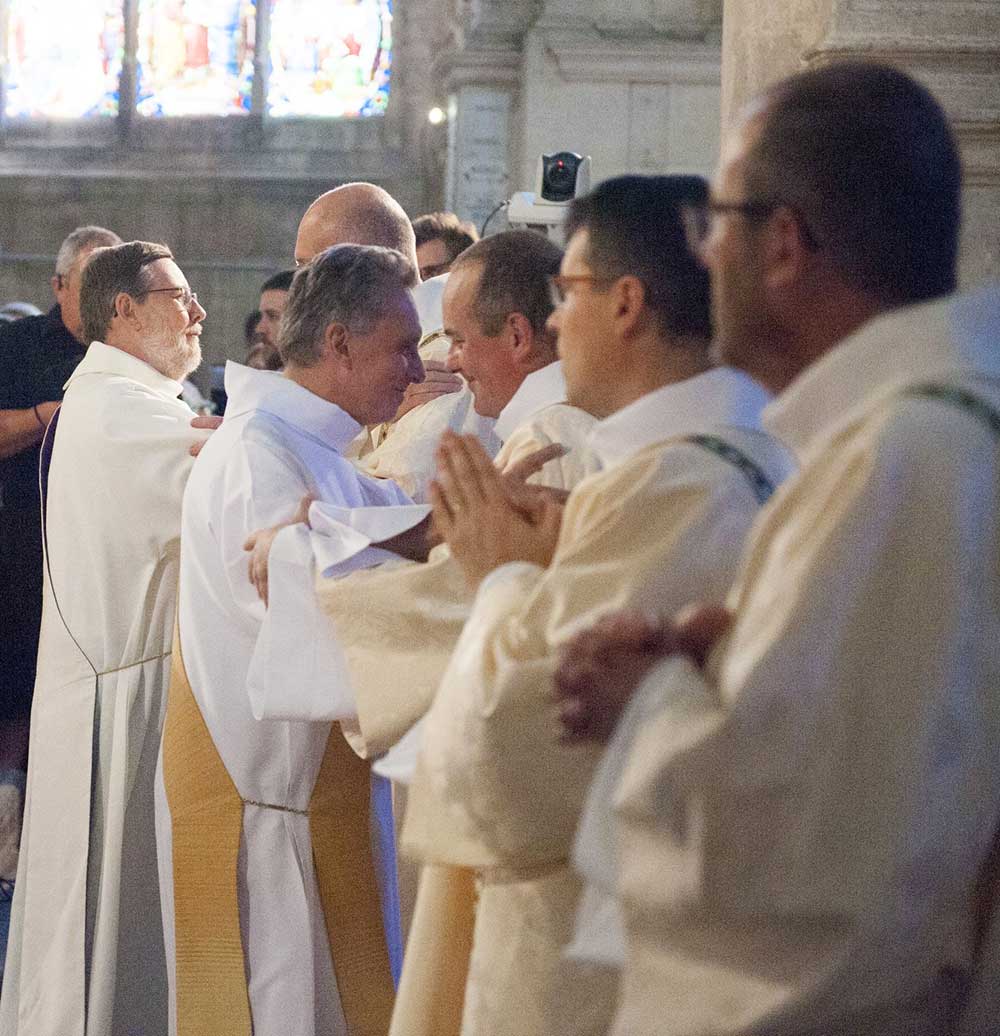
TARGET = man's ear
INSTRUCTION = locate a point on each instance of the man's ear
(784, 250)
(125, 307)
(629, 296)
(336, 344)
(520, 337)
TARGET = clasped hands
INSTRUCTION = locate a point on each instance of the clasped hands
(487, 518)
(601, 667)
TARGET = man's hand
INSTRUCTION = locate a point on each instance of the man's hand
(601, 668)
(260, 542)
(475, 513)
(209, 421)
(438, 381)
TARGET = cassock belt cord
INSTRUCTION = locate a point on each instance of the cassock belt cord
(760, 485)
(271, 805)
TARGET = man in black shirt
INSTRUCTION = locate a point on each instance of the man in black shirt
(37, 356)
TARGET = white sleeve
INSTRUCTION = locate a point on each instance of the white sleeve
(298, 671)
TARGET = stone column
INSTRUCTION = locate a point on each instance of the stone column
(482, 81)
(953, 46)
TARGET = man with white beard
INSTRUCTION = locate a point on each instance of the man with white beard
(86, 944)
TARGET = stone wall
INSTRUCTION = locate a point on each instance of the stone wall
(633, 85)
(951, 45)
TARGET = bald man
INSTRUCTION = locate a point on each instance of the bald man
(403, 450)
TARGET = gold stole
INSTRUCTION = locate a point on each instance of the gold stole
(206, 813)
(436, 968)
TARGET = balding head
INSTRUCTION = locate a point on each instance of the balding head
(355, 214)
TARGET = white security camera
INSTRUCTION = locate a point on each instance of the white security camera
(561, 177)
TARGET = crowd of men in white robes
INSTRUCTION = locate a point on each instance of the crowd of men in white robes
(598, 642)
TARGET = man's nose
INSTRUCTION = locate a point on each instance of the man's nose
(555, 320)
(453, 361)
(417, 373)
(197, 312)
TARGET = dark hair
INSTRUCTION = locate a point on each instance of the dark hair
(447, 227)
(250, 326)
(281, 281)
(108, 273)
(346, 284)
(866, 156)
(635, 227)
(516, 265)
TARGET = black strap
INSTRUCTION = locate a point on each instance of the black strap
(961, 398)
(761, 486)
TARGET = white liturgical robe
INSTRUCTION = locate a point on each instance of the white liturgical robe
(494, 791)
(278, 442)
(86, 956)
(802, 829)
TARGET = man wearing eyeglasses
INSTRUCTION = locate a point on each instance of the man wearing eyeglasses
(86, 947)
(803, 824)
(684, 471)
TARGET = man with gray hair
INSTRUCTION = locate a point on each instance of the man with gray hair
(86, 945)
(290, 922)
(37, 356)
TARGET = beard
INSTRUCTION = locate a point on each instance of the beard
(174, 360)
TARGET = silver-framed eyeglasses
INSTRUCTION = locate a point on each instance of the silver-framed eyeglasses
(185, 296)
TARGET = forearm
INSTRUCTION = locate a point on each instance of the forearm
(414, 544)
(19, 430)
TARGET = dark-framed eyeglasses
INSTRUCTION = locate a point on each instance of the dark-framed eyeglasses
(185, 296)
(560, 285)
(434, 270)
(699, 220)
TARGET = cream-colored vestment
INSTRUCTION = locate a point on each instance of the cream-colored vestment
(494, 791)
(398, 624)
(802, 829)
(86, 946)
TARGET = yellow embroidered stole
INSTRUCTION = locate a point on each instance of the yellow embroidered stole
(206, 813)
(436, 969)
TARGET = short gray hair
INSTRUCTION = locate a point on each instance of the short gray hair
(83, 239)
(110, 272)
(346, 284)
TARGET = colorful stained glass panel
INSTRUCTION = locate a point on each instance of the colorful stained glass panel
(330, 58)
(64, 58)
(195, 56)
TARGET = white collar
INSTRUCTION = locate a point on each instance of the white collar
(939, 339)
(270, 391)
(721, 396)
(540, 389)
(107, 359)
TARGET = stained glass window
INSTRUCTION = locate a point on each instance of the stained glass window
(195, 57)
(329, 58)
(63, 63)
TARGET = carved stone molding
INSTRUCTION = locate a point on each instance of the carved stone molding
(583, 58)
(638, 20)
(494, 22)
